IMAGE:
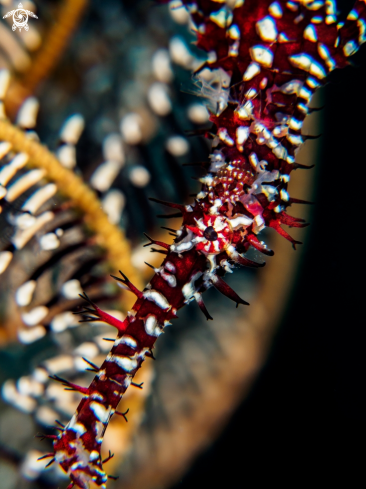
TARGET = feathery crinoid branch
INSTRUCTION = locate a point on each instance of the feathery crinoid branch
(34, 154)
(266, 59)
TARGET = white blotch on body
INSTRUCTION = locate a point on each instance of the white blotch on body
(262, 55)
(224, 136)
(310, 33)
(242, 134)
(94, 455)
(252, 70)
(101, 412)
(97, 396)
(266, 29)
(189, 289)
(126, 340)
(170, 267)
(152, 327)
(240, 220)
(157, 298)
(275, 10)
(79, 428)
(126, 363)
(169, 279)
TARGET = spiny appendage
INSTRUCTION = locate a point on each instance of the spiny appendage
(269, 77)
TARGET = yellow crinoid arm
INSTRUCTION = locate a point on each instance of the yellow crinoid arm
(79, 193)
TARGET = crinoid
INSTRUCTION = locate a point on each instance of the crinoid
(54, 244)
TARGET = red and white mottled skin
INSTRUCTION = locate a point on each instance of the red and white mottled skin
(267, 58)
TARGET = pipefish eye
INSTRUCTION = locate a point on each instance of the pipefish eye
(210, 234)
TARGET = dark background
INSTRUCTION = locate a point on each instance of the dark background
(305, 417)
